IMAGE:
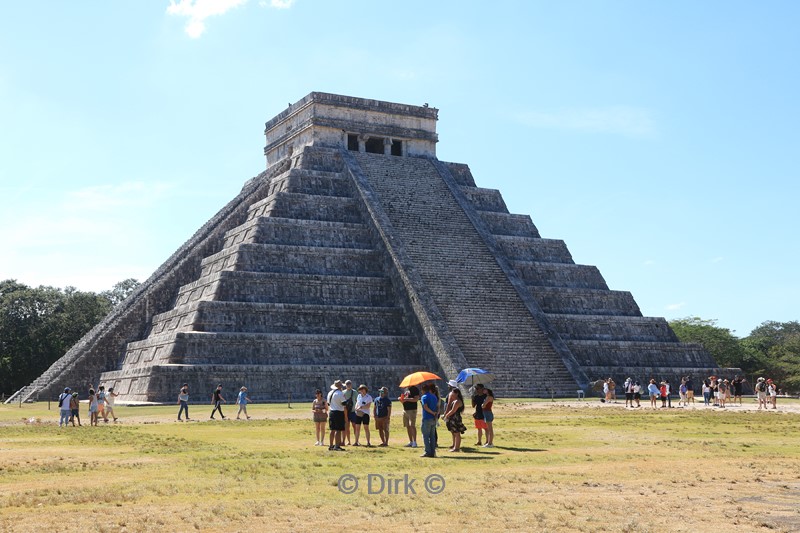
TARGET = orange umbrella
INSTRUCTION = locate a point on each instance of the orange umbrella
(418, 377)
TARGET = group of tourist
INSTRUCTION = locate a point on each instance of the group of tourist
(101, 405)
(348, 410)
(217, 399)
(717, 392)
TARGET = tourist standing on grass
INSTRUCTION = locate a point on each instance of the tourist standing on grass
(452, 416)
(706, 392)
(363, 404)
(409, 400)
(183, 401)
(75, 409)
(63, 407)
(652, 390)
(430, 412)
(612, 389)
(382, 411)
(111, 398)
(488, 417)
(336, 421)
(242, 400)
(662, 391)
(92, 408)
(101, 403)
(217, 399)
(689, 389)
(738, 385)
(477, 403)
(761, 393)
(319, 408)
(349, 410)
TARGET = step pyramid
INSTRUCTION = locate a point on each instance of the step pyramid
(359, 255)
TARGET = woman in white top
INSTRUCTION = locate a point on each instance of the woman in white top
(362, 407)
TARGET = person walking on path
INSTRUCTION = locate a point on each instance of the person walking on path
(92, 408)
(217, 399)
(362, 408)
(452, 416)
(382, 411)
(319, 410)
(409, 400)
(63, 406)
(430, 412)
(75, 409)
(477, 403)
(242, 400)
(111, 397)
(183, 401)
(336, 420)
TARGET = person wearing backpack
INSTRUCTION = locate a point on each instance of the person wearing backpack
(63, 405)
(761, 393)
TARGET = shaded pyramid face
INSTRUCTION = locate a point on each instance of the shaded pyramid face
(359, 255)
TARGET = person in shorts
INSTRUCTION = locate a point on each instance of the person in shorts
(477, 403)
(362, 407)
(637, 393)
(488, 418)
(409, 400)
(382, 411)
(761, 393)
(92, 408)
(628, 387)
(319, 408)
(336, 421)
(242, 400)
(75, 408)
(101, 403)
(689, 389)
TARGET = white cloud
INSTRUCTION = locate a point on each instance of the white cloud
(278, 4)
(619, 120)
(675, 307)
(197, 11)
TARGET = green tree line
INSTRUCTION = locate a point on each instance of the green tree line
(38, 325)
(770, 350)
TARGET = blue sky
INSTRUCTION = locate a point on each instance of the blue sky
(659, 140)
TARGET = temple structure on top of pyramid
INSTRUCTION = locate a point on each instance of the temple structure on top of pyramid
(359, 255)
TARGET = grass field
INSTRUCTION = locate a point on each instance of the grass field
(556, 467)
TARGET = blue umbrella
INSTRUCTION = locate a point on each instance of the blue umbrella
(474, 376)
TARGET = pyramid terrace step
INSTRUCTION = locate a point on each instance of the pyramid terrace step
(533, 249)
(295, 259)
(281, 287)
(306, 207)
(461, 173)
(320, 158)
(313, 182)
(249, 317)
(509, 224)
(292, 231)
(634, 353)
(612, 328)
(544, 274)
(571, 301)
(485, 199)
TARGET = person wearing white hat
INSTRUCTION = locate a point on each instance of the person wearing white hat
(336, 416)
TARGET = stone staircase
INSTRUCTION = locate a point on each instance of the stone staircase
(604, 329)
(485, 315)
(296, 297)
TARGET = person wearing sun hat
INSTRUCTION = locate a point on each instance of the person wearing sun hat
(63, 405)
(363, 402)
(382, 411)
(336, 420)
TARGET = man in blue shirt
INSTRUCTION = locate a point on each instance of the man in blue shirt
(430, 412)
(382, 411)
